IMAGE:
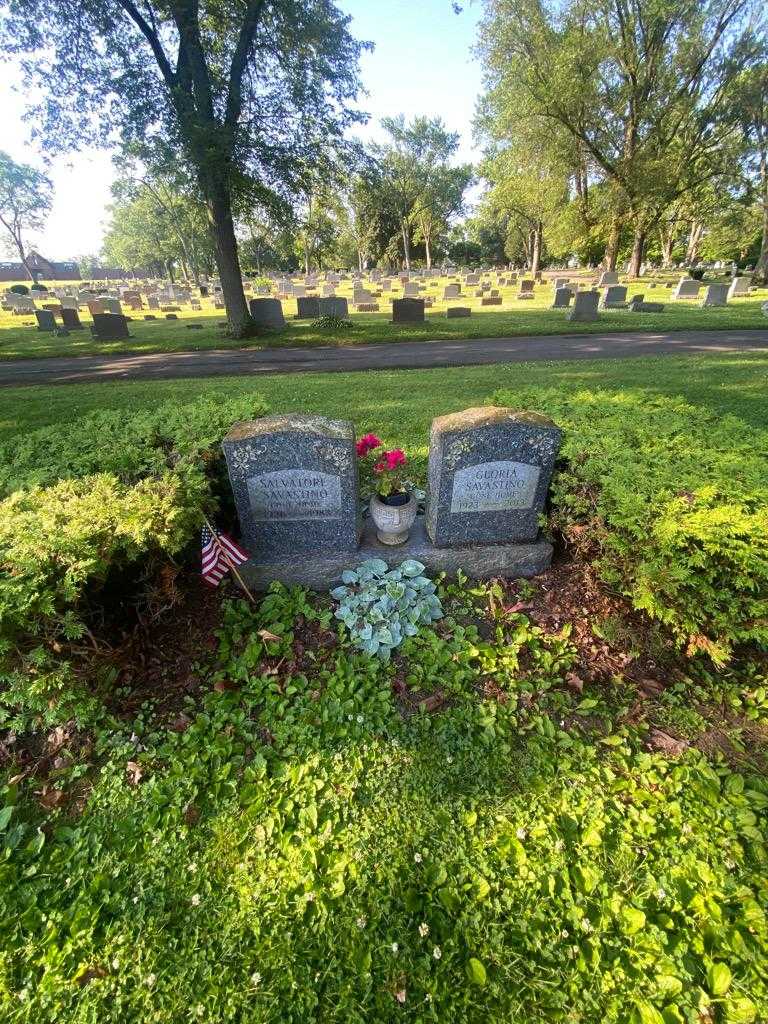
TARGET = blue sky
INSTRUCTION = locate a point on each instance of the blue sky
(421, 64)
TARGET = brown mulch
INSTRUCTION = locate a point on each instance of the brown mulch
(570, 592)
(158, 659)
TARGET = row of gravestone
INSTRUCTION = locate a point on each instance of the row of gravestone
(269, 312)
(294, 480)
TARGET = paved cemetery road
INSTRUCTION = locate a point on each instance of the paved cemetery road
(379, 356)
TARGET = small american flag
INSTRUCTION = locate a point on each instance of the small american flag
(220, 554)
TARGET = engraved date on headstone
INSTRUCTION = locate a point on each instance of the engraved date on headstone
(494, 487)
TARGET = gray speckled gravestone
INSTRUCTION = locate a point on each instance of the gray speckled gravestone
(489, 474)
(686, 288)
(71, 319)
(267, 312)
(563, 297)
(307, 306)
(295, 484)
(408, 311)
(584, 306)
(614, 297)
(46, 321)
(716, 295)
(334, 306)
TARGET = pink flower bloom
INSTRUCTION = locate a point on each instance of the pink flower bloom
(395, 458)
(366, 444)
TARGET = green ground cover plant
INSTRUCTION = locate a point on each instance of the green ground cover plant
(475, 829)
(517, 318)
(298, 843)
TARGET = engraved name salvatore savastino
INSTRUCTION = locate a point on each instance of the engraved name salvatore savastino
(294, 494)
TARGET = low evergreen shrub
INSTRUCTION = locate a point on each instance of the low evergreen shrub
(671, 500)
(82, 503)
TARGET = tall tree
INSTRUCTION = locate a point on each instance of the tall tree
(637, 84)
(25, 199)
(416, 177)
(751, 109)
(240, 89)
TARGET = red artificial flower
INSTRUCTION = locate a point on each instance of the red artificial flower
(366, 444)
(395, 458)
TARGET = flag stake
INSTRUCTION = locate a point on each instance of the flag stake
(232, 566)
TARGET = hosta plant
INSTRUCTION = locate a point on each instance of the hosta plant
(381, 607)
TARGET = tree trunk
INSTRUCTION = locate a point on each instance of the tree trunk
(761, 267)
(638, 251)
(612, 248)
(694, 240)
(222, 230)
(406, 247)
(536, 254)
(667, 239)
(427, 250)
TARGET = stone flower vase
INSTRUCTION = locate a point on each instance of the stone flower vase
(393, 520)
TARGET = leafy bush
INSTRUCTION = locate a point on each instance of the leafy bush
(291, 846)
(381, 607)
(20, 289)
(331, 323)
(674, 520)
(111, 490)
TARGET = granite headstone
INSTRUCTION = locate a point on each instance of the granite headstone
(267, 312)
(307, 307)
(489, 473)
(584, 306)
(407, 311)
(716, 295)
(295, 482)
(71, 319)
(334, 306)
(110, 327)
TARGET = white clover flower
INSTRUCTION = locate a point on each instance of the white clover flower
(191, 868)
(195, 901)
(585, 925)
(150, 980)
(310, 897)
(400, 995)
(199, 1009)
(437, 952)
(135, 899)
(360, 719)
(564, 933)
(428, 997)
(521, 834)
(661, 893)
(394, 947)
(417, 858)
(255, 979)
(423, 929)
(115, 964)
(361, 922)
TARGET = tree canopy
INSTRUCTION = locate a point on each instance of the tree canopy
(244, 91)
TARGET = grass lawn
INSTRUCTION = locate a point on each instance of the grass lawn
(20, 339)
(400, 404)
(540, 810)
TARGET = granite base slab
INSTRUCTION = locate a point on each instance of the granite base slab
(478, 561)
